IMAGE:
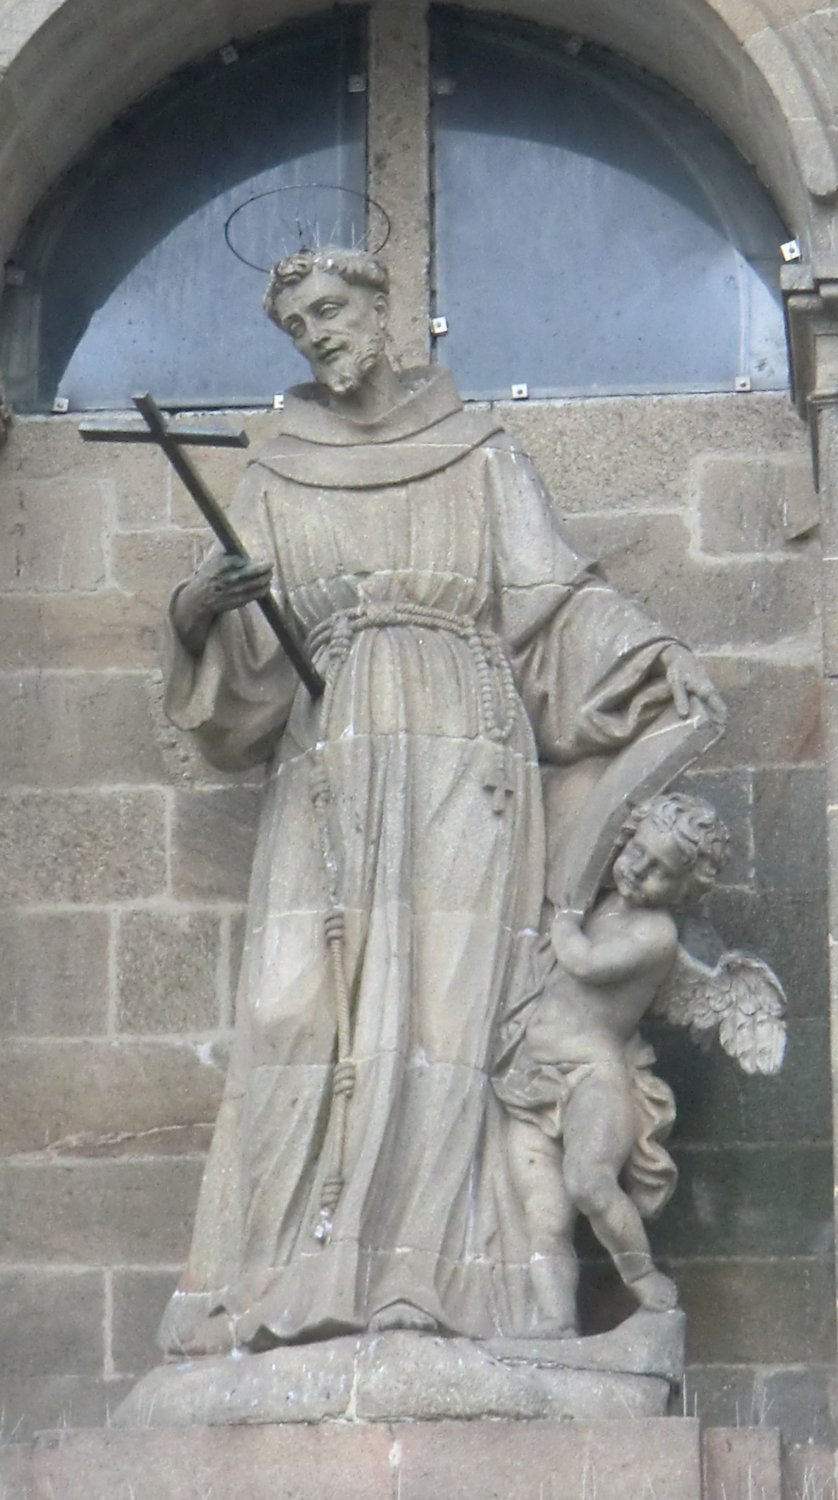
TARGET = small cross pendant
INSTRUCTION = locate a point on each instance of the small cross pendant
(498, 782)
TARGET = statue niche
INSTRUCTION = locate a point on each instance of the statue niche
(397, 1012)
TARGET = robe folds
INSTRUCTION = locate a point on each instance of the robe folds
(463, 642)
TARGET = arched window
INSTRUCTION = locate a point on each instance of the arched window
(124, 282)
(593, 232)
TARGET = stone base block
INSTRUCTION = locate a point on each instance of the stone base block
(742, 1463)
(416, 1461)
(405, 1376)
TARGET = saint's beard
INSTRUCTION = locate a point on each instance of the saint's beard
(345, 375)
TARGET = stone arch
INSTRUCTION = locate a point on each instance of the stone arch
(71, 66)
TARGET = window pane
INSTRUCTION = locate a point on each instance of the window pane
(593, 232)
(128, 282)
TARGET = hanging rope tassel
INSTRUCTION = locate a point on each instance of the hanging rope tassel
(343, 1080)
(343, 1074)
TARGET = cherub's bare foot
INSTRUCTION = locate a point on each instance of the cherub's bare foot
(402, 1315)
(655, 1291)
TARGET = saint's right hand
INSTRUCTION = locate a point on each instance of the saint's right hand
(221, 583)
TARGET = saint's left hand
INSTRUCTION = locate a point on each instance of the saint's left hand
(687, 677)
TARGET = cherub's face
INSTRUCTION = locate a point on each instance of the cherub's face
(652, 870)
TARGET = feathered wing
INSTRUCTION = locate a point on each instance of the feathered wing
(741, 1000)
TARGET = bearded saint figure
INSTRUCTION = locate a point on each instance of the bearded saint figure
(358, 1175)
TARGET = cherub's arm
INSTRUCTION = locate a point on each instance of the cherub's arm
(650, 940)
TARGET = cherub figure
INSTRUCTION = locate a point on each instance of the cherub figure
(587, 1117)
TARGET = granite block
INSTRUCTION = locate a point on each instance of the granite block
(96, 632)
(55, 972)
(98, 1213)
(51, 1322)
(168, 971)
(97, 846)
(77, 729)
(740, 1463)
(106, 1098)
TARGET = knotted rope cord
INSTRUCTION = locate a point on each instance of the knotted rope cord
(343, 1074)
(496, 724)
(491, 665)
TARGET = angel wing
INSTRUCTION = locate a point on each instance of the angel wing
(741, 1000)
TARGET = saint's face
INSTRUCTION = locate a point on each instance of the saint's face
(339, 328)
(652, 871)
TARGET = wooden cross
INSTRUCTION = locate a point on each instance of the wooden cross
(155, 429)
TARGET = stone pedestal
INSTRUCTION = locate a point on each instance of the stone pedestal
(391, 1377)
(481, 1460)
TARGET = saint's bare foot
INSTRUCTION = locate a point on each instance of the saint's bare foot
(655, 1291)
(213, 1336)
(402, 1315)
(554, 1328)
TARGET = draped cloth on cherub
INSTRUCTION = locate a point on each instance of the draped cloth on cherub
(534, 1089)
(462, 640)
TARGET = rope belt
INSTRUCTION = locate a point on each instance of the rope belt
(497, 703)
(497, 697)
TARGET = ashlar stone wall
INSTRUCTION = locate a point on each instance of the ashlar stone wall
(124, 863)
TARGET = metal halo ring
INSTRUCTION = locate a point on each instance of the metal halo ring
(293, 187)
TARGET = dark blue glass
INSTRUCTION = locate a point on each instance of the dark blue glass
(594, 233)
(128, 283)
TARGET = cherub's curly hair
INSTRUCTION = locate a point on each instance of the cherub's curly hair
(701, 836)
(356, 267)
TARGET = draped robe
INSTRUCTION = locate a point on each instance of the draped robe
(463, 641)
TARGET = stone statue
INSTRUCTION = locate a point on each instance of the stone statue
(359, 1177)
(588, 1118)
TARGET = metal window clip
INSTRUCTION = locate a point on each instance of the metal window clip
(356, 83)
(279, 402)
(520, 392)
(742, 383)
(791, 250)
(229, 54)
(61, 405)
(439, 326)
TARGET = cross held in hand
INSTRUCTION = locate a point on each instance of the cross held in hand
(156, 429)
